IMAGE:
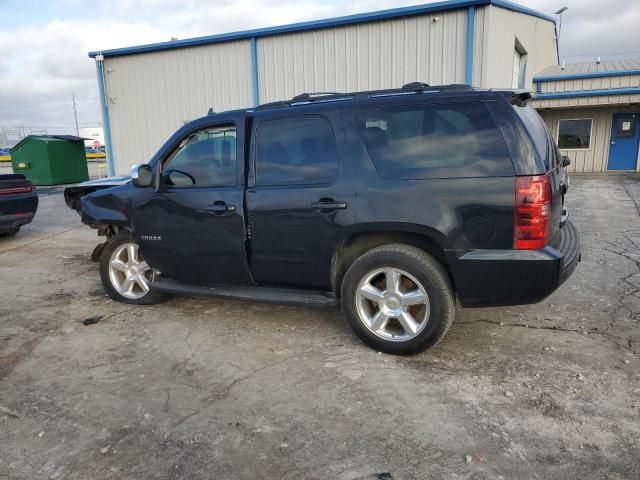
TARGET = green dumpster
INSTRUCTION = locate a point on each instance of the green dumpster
(51, 159)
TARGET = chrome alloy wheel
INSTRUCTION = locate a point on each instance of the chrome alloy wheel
(129, 273)
(392, 304)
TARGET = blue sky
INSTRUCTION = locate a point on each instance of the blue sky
(44, 44)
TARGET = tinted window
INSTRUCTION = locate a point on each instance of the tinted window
(434, 141)
(204, 158)
(296, 150)
(535, 127)
(574, 134)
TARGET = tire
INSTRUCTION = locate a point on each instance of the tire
(131, 269)
(423, 292)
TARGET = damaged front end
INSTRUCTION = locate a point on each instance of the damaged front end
(103, 204)
(72, 195)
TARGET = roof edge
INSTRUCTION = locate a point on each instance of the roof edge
(573, 76)
(588, 93)
(319, 24)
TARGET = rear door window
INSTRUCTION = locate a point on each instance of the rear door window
(296, 150)
(434, 141)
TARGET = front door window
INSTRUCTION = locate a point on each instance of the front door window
(206, 158)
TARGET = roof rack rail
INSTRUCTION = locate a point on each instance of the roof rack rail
(304, 98)
(415, 86)
(277, 104)
(322, 97)
(308, 97)
(456, 86)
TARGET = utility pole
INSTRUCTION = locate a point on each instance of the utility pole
(75, 113)
(560, 12)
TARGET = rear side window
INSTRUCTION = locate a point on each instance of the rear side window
(296, 150)
(434, 141)
(536, 128)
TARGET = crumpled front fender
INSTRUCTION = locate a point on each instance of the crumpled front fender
(111, 206)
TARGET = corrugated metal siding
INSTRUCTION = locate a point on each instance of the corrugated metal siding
(536, 36)
(586, 101)
(364, 57)
(151, 95)
(592, 67)
(481, 53)
(594, 159)
(579, 84)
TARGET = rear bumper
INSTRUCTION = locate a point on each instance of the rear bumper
(11, 222)
(515, 277)
(17, 210)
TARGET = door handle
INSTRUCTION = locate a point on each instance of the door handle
(219, 208)
(329, 205)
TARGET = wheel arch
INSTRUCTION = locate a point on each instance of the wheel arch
(370, 236)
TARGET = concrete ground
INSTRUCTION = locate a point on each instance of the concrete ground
(205, 389)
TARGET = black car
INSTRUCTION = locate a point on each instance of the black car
(18, 203)
(392, 203)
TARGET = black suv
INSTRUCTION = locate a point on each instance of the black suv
(391, 203)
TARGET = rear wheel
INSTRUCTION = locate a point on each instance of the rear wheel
(125, 274)
(398, 299)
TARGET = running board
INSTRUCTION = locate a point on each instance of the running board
(277, 295)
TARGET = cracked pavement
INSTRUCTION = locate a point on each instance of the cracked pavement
(202, 389)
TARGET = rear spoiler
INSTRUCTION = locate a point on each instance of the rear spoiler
(519, 98)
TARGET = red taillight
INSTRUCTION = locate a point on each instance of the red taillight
(15, 190)
(533, 212)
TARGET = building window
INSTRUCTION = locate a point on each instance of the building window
(575, 134)
(625, 127)
(519, 65)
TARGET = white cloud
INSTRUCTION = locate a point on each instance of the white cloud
(43, 66)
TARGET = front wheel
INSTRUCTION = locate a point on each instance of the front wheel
(125, 274)
(398, 299)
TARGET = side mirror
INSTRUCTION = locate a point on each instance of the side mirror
(566, 161)
(141, 175)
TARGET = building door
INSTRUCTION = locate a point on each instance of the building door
(625, 136)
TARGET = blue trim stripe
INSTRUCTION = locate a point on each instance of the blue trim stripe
(471, 34)
(105, 119)
(573, 76)
(254, 71)
(318, 24)
(589, 93)
(515, 7)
